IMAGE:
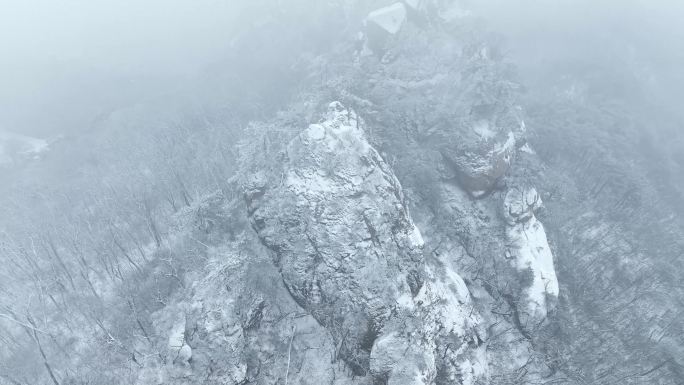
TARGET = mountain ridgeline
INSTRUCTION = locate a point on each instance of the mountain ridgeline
(384, 202)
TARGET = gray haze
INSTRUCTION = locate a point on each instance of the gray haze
(73, 61)
(65, 64)
(342, 192)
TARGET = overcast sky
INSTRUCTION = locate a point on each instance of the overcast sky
(63, 63)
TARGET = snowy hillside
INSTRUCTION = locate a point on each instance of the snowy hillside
(382, 192)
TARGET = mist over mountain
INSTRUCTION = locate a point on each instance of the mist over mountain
(341, 192)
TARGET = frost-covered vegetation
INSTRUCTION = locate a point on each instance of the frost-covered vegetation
(348, 192)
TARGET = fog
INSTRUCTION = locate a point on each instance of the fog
(343, 192)
(554, 38)
(66, 63)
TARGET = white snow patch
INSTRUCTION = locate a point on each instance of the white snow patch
(521, 204)
(462, 293)
(342, 121)
(390, 18)
(416, 238)
(481, 127)
(309, 184)
(316, 132)
(341, 128)
(177, 336)
(180, 350)
(405, 301)
(480, 365)
(531, 250)
(339, 138)
(508, 145)
(527, 149)
(13, 145)
(447, 300)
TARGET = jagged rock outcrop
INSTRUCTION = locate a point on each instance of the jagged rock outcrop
(529, 252)
(237, 324)
(340, 231)
(349, 253)
(484, 148)
(441, 335)
(381, 24)
(479, 164)
(390, 18)
(470, 119)
(437, 340)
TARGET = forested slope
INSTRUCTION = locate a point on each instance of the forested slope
(359, 193)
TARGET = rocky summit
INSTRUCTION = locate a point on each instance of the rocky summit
(347, 192)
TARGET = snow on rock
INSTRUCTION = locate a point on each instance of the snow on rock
(439, 341)
(14, 147)
(520, 205)
(239, 319)
(527, 149)
(342, 236)
(481, 128)
(390, 18)
(506, 147)
(381, 25)
(349, 253)
(395, 357)
(448, 299)
(529, 251)
(452, 324)
(180, 350)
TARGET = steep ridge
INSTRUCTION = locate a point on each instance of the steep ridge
(457, 295)
(349, 253)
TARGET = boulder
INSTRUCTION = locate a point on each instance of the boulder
(478, 164)
(382, 24)
(390, 18)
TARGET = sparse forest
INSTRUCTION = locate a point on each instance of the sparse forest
(348, 192)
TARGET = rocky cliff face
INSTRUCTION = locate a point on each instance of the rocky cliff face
(341, 234)
(342, 237)
(336, 222)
